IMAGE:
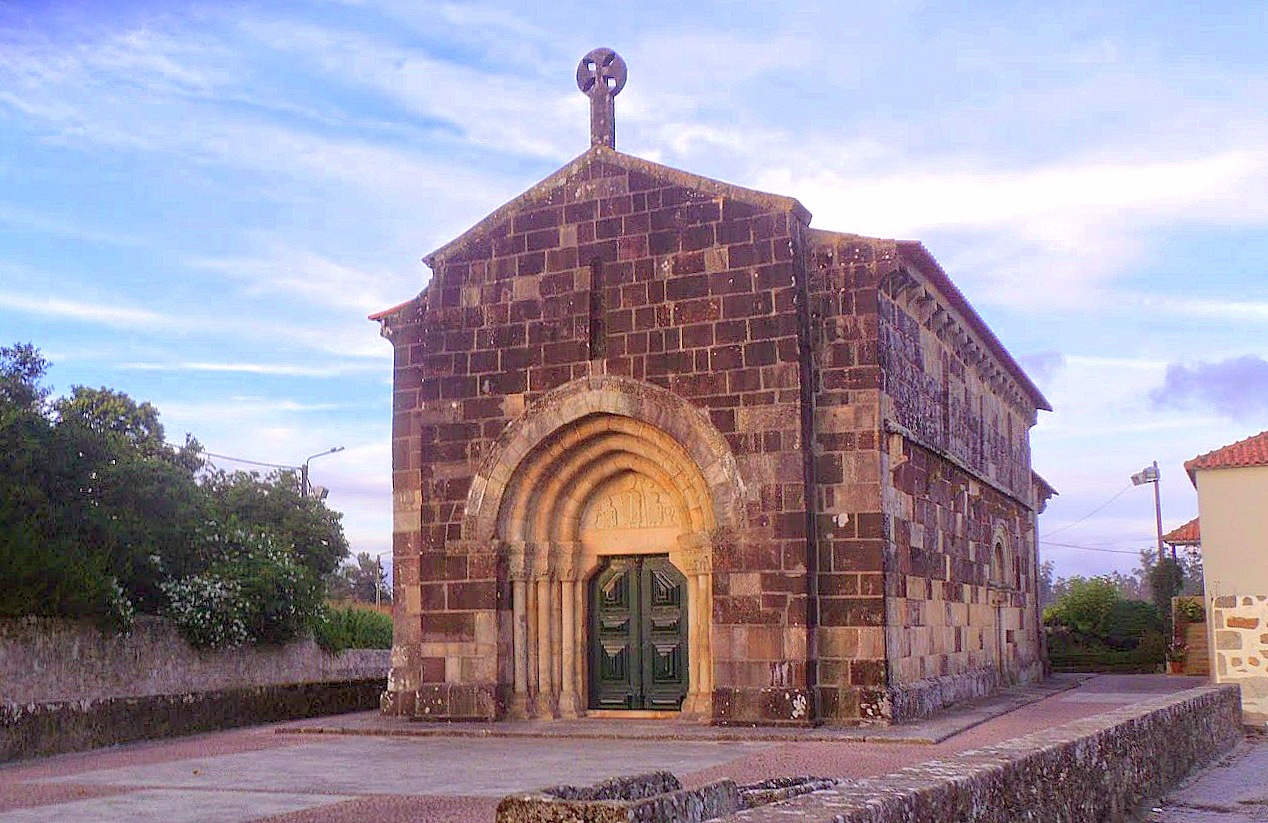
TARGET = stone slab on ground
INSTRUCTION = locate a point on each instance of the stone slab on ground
(442, 766)
(926, 731)
(172, 806)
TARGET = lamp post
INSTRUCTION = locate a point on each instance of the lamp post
(1150, 474)
(304, 488)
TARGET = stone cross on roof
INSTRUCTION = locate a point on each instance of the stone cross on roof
(601, 76)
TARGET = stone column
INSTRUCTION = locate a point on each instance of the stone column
(704, 620)
(695, 567)
(545, 681)
(519, 630)
(568, 637)
(530, 641)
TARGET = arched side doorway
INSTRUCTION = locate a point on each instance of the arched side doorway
(604, 486)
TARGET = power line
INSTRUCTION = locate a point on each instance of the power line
(236, 459)
(1094, 511)
(1043, 542)
(249, 462)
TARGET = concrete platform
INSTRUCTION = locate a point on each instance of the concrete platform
(610, 727)
(284, 774)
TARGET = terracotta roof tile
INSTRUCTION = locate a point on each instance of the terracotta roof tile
(1190, 534)
(1253, 451)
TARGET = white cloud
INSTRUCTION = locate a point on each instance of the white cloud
(351, 339)
(302, 274)
(272, 369)
(119, 317)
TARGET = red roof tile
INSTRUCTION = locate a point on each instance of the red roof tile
(1187, 535)
(379, 315)
(1253, 451)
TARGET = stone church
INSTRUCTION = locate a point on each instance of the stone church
(660, 448)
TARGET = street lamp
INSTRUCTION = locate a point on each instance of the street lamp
(1150, 474)
(304, 488)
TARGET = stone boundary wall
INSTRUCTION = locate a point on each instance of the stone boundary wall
(42, 659)
(1099, 768)
(925, 698)
(55, 727)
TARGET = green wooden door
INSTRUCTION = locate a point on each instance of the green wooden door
(638, 635)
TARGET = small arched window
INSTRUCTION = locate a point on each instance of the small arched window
(1003, 570)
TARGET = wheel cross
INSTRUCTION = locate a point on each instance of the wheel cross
(601, 75)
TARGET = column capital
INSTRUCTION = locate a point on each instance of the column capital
(564, 559)
(518, 560)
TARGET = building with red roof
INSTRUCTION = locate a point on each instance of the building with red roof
(1190, 534)
(1232, 485)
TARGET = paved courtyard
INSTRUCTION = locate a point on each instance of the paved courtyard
(274, 773)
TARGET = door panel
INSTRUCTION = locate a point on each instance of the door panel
(638, 631)
(615, 672)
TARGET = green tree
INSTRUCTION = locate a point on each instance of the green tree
(54, 540)
(364, 579)
(98, 515)
(1085, 605)
(22, 369)
(1046, 583)
(273, 504)
(115, 416)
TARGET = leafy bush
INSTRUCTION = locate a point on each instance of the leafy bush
(1127, 623)
(208, 611)
(1067, 655)
(1191, 610)
(1085, 606)
(257, 592)
(100, 517)
(353, 628)
(1092, 627)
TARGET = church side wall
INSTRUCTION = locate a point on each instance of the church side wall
(700, 300)
(962, 611)
(849, 515)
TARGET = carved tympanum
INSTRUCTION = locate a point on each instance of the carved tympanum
(632, 503)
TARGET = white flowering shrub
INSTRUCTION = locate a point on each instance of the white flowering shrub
(207, 610)
(256, 591)
(121, 613)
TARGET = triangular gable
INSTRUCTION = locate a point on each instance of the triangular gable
(583, 168)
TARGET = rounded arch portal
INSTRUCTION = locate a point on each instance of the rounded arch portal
(598, 468)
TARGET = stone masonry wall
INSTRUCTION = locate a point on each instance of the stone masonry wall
(948, 392)
(962, 620)
(1100, 768)
(850, 523)
(912, 615)
(1240, 627)
(699, 297)
(45, 660)
(950, 613)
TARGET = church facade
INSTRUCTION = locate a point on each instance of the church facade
(661, 447)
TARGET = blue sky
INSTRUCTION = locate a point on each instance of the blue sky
(200, 203)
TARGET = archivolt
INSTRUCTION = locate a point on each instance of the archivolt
(547, 493)
(573, 427)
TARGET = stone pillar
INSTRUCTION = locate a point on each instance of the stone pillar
(694, 559)
(568, 703)
(704, 620)
(545, 680)
(519, 631)
(530, 642)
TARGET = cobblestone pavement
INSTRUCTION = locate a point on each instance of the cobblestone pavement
(1233, 790)
(261, 774)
